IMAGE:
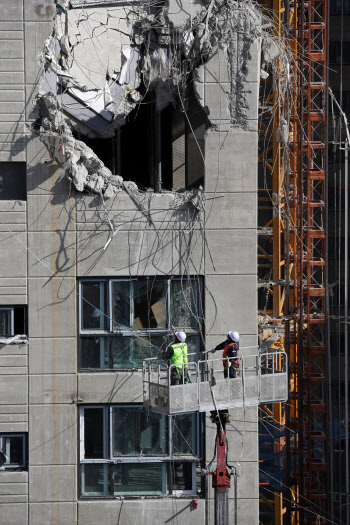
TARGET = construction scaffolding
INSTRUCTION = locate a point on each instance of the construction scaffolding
(293, 254)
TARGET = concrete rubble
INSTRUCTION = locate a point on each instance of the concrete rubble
(15, 340)
(99, 63)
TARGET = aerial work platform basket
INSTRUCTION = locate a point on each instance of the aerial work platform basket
(260, 379)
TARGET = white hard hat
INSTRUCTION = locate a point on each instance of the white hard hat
(234, 336)
(181, 336)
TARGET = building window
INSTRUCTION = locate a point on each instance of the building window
(124, 321)
(13, 451)
(126, 451)
(12, 320)
(13, 185)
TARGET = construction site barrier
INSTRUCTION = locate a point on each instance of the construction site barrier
(202, 387)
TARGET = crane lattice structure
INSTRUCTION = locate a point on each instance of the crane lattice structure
(292, 251)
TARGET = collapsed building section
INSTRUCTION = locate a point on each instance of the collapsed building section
(127, 78)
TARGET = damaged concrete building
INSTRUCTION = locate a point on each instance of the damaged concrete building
(128, 210)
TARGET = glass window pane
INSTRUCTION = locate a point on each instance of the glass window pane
(150, 304)
(5, 322)
(153, 434)
(129, 352)
(194, 347)
(134, 432)
(185, 311)
(94, 307)
(181, 476)
(93, 433)
(139, 478)
(94, 352)
(125, 431)
(121, 304)
(12, 447)
(184, 434)
(95, 479)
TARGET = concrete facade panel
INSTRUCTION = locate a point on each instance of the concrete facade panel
(116, 387)
(7, 476)
(231, 211)
(13, 488)
(11, 71)
(11, 95)
(13, 369)
(50, 213)
(55, 249)
(8, 127)
(242, 432)
(13, 498)
(13, 299)
(12, 360)
(12, 117)
(43, 173)
(53, 355)
(217, 99)
(14, 513)
(39, 10)
(52, 307)
(52, 388)
(36, 34)
(236, 295)
(12, 156)
(13, 389)
(52, 483)
(11, 26)
(129, 253)
(236, 176)
(53, 513)
(13, 290)
(157, 512)
(13, 248)
(231, 252)
(54, 442)
(215, 69)
(14, 427)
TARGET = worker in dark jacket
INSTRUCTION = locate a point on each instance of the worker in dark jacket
(177, 354)
(230, 349)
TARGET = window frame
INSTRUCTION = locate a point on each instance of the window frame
(132, 332)
(12, 310)
(167, 460)
(15, 466)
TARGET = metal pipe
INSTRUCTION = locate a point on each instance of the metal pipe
(158, 181)
(119, 150)
(76, 4)
(346, 375)
(114, 155)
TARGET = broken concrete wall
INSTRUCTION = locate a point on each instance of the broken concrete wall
(99, 64)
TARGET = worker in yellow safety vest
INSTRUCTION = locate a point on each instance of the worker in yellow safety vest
(177, 354)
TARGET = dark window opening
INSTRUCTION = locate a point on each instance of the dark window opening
(167, 145)
(13, 320)
(13, 451)
(13, 183)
